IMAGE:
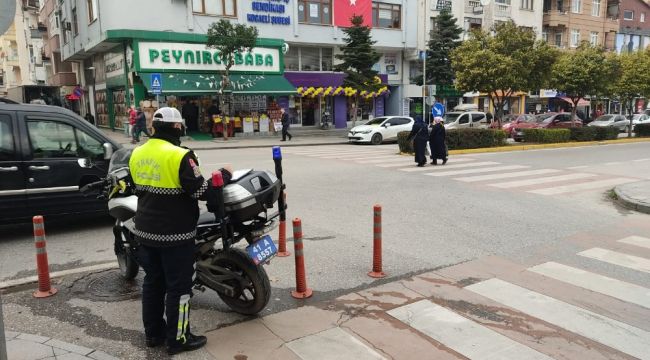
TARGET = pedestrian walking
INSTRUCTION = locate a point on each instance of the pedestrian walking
(437, 142)
(132, 115)
(140, 126)
(169, 186)
(420, 135)
(285, 125)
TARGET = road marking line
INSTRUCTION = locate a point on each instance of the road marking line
(613, 163)
(639, 160)
(582, 186)
(445, 167)
(578, 167)
(462, 335)
(355, 155)
(31, 279)
(332, 344)
(639, 241)
(617, 258)
(477, 171)
(605, 285)
(507, 175)
(395, 163)
(381, 157)
(620, 336)
(543, 180)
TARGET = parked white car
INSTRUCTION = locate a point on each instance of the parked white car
(640, 119)
(467, 119)
(380, 129)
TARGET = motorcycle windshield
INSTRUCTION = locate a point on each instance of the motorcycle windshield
(120, 159)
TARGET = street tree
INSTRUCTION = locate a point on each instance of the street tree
(500, 65)
(231, 40)
(587, 70)
(633, 80)
(357, 59)
(444, 37)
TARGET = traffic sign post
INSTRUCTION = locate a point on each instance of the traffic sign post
(156, 84)
(438, 110)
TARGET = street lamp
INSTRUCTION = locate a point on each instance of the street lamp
(92, 68)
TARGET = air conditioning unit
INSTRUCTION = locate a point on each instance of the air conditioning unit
(67, 26)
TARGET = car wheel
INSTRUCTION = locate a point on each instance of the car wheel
(627, 129)
(376, 139)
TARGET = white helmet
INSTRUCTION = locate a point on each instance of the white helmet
(168, 115)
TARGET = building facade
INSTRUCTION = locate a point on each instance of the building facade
(21, 61)
(569, 22)
(634, 31)
(305, 36)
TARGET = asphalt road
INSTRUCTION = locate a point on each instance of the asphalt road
(429, 222)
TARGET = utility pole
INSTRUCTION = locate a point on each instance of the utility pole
(3, 344)
(424, 62)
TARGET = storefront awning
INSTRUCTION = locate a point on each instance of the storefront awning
(192, 83)
(581, 102)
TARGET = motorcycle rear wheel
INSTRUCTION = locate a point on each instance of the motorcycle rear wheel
(129, 268)
(252, 296)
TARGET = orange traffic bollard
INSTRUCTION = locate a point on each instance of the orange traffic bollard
(42, 266)
(376, 248)
(302, 291)
(282, 241)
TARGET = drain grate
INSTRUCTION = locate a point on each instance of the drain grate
(111, 286)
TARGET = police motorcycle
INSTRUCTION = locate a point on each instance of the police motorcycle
(243, 213)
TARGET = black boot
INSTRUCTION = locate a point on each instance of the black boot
(444, 161)
(192, 342)
(154, 341)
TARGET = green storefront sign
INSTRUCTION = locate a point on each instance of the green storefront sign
(207, 57)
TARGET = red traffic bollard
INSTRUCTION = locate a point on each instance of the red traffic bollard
(42, 266)
(376, 248)
(302, 291)
(282, 238)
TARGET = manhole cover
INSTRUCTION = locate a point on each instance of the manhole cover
(111, 286)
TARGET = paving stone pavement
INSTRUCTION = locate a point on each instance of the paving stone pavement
(33, 347)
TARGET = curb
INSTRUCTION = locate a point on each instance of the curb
(230, 147)
(630, 203)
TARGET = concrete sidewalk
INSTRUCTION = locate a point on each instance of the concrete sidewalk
(635, 196)
(33, 347)
(301, 137)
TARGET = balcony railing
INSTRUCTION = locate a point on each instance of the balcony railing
(472, 5)
(502, 10)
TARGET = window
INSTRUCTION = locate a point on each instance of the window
(308, 59)
(2, 78)
(464, 119)
(545, 35)
(315, 11)
(50, 139)
(75, 26)
(92, 10)
(64, 32)
(7, 150)
(558, 39)
(576, 6)
(594, 38)
(215, 7)
(560, 6)
(628, 15)
(575, 37)
(386, 15)
(642, 17)
(595, 8)
(527, 4)
(477, 117)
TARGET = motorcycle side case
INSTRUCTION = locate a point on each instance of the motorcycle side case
(251, 194)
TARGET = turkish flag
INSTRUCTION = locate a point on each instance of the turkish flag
(345, 9)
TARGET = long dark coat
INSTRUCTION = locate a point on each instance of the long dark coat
(437, 142)
(420, 134)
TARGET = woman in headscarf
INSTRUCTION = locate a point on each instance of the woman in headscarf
(420, 134)
(437, 142)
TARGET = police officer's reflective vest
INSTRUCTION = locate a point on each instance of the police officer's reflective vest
(166, 215)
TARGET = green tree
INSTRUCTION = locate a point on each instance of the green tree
(230, 40)
(632, 81)
(357, 59)
(443, 39)
(501, 65)
(587, 70)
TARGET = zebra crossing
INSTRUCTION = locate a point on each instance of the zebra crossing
(480, 172)
(510, 313)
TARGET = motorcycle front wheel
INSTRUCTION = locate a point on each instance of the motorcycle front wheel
(252, 291)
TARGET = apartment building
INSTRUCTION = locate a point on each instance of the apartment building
(634, 30)
(567, 23)
(62, 74)
(21, 62)
(112, 41)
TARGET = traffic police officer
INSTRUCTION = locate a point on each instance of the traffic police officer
(168, 184)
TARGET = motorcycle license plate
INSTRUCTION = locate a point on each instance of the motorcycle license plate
(262, 250)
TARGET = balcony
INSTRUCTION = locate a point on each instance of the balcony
(473, 7)
(53, 44)
(502, 10)
(555, 17)
(63, 79)
(12, 60)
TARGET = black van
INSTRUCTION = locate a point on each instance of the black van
(46, 153)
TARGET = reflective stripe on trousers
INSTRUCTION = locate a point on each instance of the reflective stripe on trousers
(183, 317)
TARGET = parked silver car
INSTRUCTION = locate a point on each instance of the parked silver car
(639, 119)
(612, 120)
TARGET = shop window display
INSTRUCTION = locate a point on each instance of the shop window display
(120, 109)
(101, 109)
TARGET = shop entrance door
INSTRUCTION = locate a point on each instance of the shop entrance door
(311, 111)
